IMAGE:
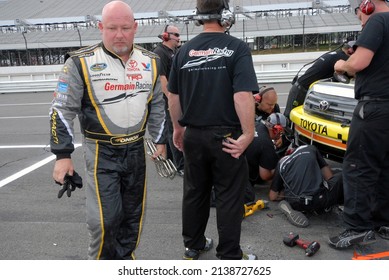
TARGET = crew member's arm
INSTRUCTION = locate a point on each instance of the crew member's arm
(277, 186)
(245, 109)
(175, 114)
(324, 167)
(360, 59)
(164, 85)
(266, 174)
(327, 173)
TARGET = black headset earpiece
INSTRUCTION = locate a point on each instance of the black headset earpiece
(367, 7)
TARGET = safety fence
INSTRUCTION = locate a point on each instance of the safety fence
(280, 68)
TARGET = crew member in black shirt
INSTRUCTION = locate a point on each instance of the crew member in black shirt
(211, 103)
(166, 50)
(306, 183)
(322, 68)
(366, 162)
(261, 153)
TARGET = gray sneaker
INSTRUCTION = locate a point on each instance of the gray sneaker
(294, 217)
(350, 237)
(192, 254)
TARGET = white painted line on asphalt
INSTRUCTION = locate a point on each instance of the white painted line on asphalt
(24, 146)
(26, 171)
(29, 169)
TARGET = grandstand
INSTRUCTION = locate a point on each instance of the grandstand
(37, 32)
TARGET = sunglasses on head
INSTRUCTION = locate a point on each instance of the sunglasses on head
(175, 34)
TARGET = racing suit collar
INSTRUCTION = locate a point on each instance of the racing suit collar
(112, 54)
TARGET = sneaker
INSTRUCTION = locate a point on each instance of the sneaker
(294, 217)
(383, 232)
(192, 254)
(350, 237)
(249, 257)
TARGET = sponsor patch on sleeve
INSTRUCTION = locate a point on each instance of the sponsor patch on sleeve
(62, 87)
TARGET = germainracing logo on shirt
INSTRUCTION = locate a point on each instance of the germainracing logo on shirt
(98, 67)
(207, 56)
(126, 87)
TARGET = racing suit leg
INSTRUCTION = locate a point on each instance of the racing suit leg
(114, 197)
(364, 164)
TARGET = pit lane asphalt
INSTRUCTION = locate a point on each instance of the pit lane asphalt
(36, 225)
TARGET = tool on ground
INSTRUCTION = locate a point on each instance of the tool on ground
(250, 208)
(70, 184)
(373, 256)
(293, 239)
(165, 167)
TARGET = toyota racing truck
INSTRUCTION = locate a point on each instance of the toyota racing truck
(324, 118)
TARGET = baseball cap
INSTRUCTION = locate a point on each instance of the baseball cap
(278, 119)
(350, 44)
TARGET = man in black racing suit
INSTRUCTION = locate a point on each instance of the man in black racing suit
(114, 89)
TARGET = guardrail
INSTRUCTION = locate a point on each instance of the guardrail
(28, 86)
(279, 68)
(263, 77)
(274, 77)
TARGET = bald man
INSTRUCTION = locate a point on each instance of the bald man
(114, 88)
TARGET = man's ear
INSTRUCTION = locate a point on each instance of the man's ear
(135, 27)
(100, 26)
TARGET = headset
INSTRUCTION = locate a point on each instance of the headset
(225, 17)
(165, 36)
(262, 91)
(277, 122)
(367, 7)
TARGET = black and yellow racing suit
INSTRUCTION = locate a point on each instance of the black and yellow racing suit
(114, 101)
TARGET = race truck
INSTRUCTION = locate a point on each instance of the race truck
(324, 118)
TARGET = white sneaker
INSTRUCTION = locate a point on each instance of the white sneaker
(249, 257)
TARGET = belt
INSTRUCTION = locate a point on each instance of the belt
(115, 139)
(370, 98)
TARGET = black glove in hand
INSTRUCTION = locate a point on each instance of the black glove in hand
(70, 184)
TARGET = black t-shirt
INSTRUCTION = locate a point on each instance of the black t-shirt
(299, 173)
(166, 56)
(206, 72)
(322, 68)
(373, 80)
(260, 152)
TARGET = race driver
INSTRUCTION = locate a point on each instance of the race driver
(114, 89)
